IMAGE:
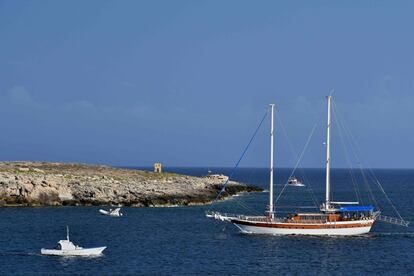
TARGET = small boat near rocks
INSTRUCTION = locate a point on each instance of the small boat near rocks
(218, 177)
(112, 213)
(67, 248)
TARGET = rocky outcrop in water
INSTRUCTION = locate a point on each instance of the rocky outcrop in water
(42, 184)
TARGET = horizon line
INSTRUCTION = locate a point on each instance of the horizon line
(200, 166)
(256, 167)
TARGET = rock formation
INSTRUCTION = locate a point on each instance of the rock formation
(42, 183)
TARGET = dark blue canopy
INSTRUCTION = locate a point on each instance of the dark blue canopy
(357, 208)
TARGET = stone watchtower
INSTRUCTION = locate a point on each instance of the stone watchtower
(157, 167)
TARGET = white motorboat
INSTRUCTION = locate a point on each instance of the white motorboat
(293, 181)
(113, 213)
(67, 248)
(219, 177)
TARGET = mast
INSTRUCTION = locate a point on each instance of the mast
(67, 232)
(271, 213)
(328, 156)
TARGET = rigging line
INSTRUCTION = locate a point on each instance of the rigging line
(244, 205)
(371, 194)
(372, 175)
(364, 177)
(355, 149)
(343, 143)
(242, 155)
(308, 186)
(293, 152)
(351, 171)
(292, 206)
(239, 201)
(365, 180)
(298, 161)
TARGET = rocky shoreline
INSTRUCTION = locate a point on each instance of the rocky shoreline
(55, 184)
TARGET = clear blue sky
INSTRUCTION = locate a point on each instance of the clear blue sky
(186, 82)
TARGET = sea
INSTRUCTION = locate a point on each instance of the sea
(183, 241)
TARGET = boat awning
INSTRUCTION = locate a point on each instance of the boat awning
(357, 208)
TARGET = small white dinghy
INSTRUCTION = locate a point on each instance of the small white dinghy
(112, 213)
(67, 248)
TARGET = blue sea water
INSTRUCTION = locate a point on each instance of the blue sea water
(182, 241)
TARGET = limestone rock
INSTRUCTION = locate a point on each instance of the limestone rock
(80, 184)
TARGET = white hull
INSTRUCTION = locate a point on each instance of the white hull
(297, 185)
(330, 230)
(112, 213)
(103, 212)
(76, 252)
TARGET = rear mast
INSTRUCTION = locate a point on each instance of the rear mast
(271, 211)
(328, 156)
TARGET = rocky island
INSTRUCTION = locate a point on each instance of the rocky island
(53, 184)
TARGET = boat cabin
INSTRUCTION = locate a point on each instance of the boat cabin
(342, 214)
(66, 245)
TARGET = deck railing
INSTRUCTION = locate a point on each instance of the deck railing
(229, 217)
(392, 220)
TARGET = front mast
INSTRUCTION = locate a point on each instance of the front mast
(271, 212)
(328, 157)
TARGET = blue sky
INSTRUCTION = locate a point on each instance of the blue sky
(186, 82)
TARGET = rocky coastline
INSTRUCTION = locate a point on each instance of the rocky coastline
(55, 184)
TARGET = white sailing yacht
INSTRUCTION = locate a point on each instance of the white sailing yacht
(332, 219)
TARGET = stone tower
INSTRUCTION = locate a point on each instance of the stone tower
(157, 167)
